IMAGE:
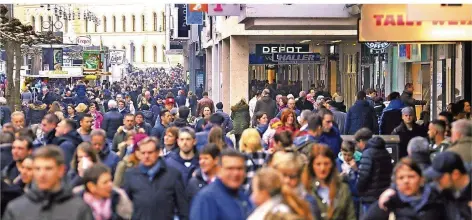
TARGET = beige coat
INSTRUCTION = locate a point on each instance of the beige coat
(463, 147)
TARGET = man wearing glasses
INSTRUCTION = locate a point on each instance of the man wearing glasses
(155, 184)
(221, 198)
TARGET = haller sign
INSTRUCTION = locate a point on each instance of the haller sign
(295, 58)
(389, 23)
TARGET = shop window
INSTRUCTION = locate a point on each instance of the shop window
(163, 17)
(123, 20)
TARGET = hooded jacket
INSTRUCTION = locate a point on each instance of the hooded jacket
(391, 116)
(375, 170)
(267, 105)
(227, 123)
(148, 117)
(173, 159)
(36, 113)
(428, 206)
(68, 143)
(240, 116)
(180, 123)
(360, 115)
(41, 205)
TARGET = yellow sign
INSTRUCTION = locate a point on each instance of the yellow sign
(57, 72)
(389, 23)
(424, 12)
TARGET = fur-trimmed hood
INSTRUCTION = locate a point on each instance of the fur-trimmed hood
(37, 107)
(241, 106)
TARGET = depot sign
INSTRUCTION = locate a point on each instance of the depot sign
(389, 23)
(269, 49)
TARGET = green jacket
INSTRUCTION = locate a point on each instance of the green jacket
(240, 117)
(344, 205)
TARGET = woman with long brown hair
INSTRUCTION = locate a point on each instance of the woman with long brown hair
(275, 200)
(216, 137)
(321, 179)
(289, 121)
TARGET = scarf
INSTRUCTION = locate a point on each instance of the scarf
(101, 207)
(150, 171)
(417, 202)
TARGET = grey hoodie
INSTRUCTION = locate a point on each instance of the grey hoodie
(36, 204)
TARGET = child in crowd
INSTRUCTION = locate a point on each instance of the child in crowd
(347, 164)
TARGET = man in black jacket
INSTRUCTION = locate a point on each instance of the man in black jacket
(407, 97)
(67, 138)
(375, 170)
(407, 130)
(48, 198)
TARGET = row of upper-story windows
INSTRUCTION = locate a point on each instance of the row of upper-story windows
(158, 24)
(144, 55)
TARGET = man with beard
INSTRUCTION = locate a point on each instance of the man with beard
(120, 135)
(140, 123)
(186, 160)
(437, 136)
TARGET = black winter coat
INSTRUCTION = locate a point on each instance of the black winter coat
(303, 104)
(112, 120)
(5, 115)
(360, 115)
(68, 143)
(36, 114)
(406, 135)
(389, 121)
(195, 184)
(375, 170)
(431, 207)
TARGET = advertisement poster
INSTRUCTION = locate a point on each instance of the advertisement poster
(117, 56)
(194, 17)
(92, 60)
(182, 27)
(58, 56)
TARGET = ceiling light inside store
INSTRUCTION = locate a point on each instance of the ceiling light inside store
(304, 41)
(318, 44)
(336, 41)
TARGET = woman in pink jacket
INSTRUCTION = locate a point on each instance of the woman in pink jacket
(97, 116)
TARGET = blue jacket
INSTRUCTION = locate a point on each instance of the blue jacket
(109, 158)
(360, 115)
(156, 110)
(68, 143)
(161, 198)
(216, 202)
(332, 139)
(202, 138)
(174, 160)
(158, 131)
(227, 123)
(391, 116)
(112, 120)
(180, 100)
(195, 184)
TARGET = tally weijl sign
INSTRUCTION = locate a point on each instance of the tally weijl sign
(390, 23)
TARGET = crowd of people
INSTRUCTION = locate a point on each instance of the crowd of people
(147, 148)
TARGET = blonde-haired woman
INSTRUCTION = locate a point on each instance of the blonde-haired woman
(274, 200)
(251, 146)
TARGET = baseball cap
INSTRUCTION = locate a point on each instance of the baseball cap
(407, 111)
(445, 162)
(170, 101)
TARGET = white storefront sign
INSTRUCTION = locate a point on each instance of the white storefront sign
(84, 41)
(117, 56)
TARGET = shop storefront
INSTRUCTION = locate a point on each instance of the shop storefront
(428, 54)
(292, 67)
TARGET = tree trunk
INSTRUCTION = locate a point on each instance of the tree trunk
(10, 54)
(16, 99)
